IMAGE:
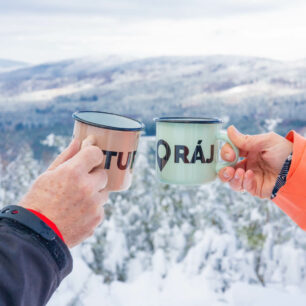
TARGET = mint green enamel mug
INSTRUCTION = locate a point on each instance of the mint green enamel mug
(187, 150)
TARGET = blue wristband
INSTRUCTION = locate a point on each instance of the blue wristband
(282, 177)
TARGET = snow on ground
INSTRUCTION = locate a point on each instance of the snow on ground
(149, 288)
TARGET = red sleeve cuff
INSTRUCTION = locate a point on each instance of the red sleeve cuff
(48, 222)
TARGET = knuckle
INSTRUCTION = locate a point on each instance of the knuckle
(271, 134)
(104, 177)
(93, 203)
(103, 198)
(222, 178)
(94, 152)
(100, 177)
(85, 189)
(90, 232)
(234, 185)
(98, 215)
(88, 202)
(72, 172)
(98, 219)
(247, 138)
(86, 152)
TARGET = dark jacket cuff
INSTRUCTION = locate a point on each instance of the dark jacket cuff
(56, 248)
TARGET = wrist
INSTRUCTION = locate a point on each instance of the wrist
(27, 203)
(22, 216)
(289, 146)
(28, 216)
(45, 219)
(282, 177)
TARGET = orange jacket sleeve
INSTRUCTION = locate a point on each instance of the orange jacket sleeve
(291, 198)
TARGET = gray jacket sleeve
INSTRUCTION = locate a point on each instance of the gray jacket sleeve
(31, 268)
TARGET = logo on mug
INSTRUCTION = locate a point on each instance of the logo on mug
(181, 154)
(120, 164)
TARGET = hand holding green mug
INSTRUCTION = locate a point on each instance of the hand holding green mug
(187, 150)
(263, 158)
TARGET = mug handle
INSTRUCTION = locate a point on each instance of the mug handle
(222, 135)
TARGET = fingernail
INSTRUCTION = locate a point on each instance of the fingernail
(225, 174)
(237, 177)
(227, 156)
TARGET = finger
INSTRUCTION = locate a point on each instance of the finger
(103, 197)
(236, 181)
(99, 216)
(100, 198)
(249, 182)
(227, 153)
(68, 153)
(247, 142)
(86, 159)
(226, 174)
(95, 217)
(88, 141)
(98, 179)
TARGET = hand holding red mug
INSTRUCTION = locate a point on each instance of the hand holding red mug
(70, 193)
(264, 156)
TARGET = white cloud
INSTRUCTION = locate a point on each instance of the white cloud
(278, 34)
(144, 9)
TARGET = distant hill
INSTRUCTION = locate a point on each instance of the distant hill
(247, 91)
(7, 65)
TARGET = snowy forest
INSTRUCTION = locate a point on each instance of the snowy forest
(169, 245)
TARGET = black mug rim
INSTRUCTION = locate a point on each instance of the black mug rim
(201, 120)
(109, 127)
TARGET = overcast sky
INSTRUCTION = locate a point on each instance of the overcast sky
(49, 30)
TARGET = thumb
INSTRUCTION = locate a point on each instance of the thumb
(246, 142)
(88, 141)
(69, 152)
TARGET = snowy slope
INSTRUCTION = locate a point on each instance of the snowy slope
(55, 75)
(212, 76)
